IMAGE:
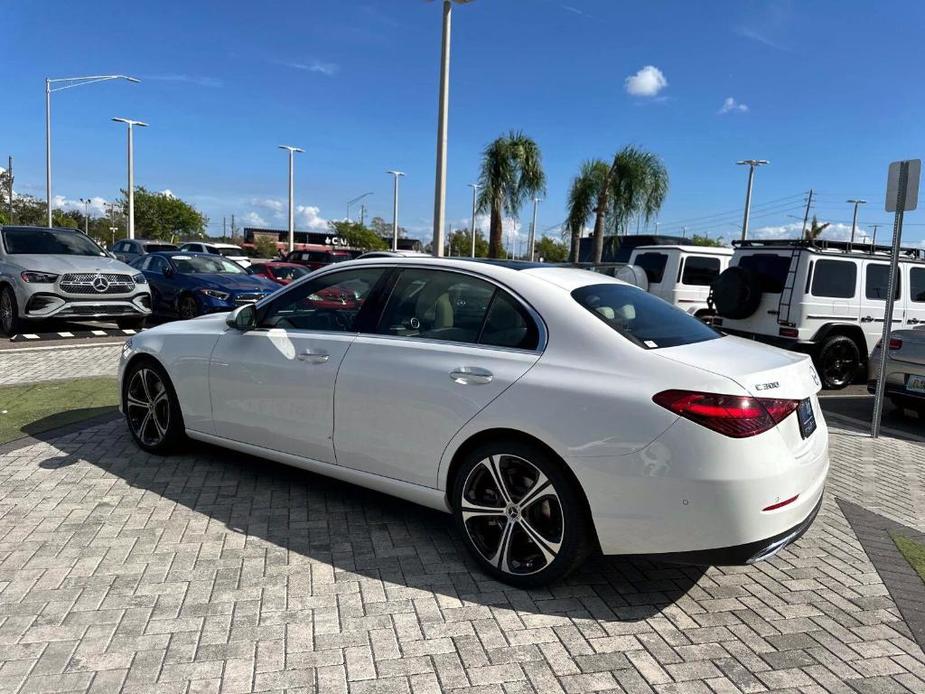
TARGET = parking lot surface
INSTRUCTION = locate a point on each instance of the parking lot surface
(33, 365)
(217, 571)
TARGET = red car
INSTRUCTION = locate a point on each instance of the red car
(314, 259)
(279, 272)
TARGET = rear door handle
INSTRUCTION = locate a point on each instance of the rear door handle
(471, 376)
(317, 356)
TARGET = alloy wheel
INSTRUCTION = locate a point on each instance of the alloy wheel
(512, 514)
(148, 407)
(839, 365)
(6, 312)
(188, 308)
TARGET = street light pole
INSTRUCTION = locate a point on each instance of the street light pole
(131, 170)
(752, 165)
(86, 215)
(292, 151)
(854, 218)
(396, 175)
(532, 243)
(442, 126)
(66, 83)
(475, 192)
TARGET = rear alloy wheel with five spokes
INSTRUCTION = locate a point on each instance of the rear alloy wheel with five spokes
(151, 408)
(520, 515)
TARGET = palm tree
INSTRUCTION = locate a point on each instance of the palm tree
(586, 187)
(636, 183)
(815, 230)
(512, 171)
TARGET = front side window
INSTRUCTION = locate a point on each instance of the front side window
(700, 271)
(877, 281)
(642, 318)
(836, 279)
(654, 265)
(229, 252)
(154, 263)
(331, 303)
(202, 264)
(917, 284)
(437, 305)
(50, 242)
(771, 270)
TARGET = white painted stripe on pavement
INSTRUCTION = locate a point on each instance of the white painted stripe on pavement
(98, 333)
(66, 334)
(30, 336)
(129, 332)
(71, 345)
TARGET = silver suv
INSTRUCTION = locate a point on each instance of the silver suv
(63, 273)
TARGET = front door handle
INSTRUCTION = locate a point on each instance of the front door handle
(867, 319)
(314, 356)
(471, 376)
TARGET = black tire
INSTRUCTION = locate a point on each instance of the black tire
(524, 546)
(131, 323)
(838, 362)
(736, 293)
(152, 411)
(10, 322)
(188, 307)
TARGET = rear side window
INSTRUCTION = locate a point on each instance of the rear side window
(642, 318)
(878, 281)
(835, 279)
(771, 270)
(699, 271)
(508, 325)
(917, 282)
(653, 264)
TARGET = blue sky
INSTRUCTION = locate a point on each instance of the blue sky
(828, 91)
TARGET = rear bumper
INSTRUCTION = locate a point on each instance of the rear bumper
(896, 389)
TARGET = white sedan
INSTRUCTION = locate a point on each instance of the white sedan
(553, 411)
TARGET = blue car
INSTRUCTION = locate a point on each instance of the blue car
(187, 285)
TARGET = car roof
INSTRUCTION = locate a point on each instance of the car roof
(20, 227)
(705, 250)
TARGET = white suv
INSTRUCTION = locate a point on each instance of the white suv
(681, 275)
(826, 298)
(227, 250)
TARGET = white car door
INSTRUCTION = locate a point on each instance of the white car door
(915, 299)
(873, 301)
(274, 386)
(448, 343)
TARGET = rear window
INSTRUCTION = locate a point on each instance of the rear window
(878, 282)
(917, 282)
(653, 264)
(230, 252)
(835, 279)
(641, 317)
(771, 270)
(699, 271)
(155, 247)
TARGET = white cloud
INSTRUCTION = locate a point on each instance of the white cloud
(731, 105)
(277, 207)
(198, 80)
(649, 81)
(98, 205)
(309, 217)
(318, 66)
(167, 193)
(255, 220)
(794, 230)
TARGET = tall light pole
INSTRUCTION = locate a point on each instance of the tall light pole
(442, 125)
(752, 165)
(292, 152)
(65, 83)
(131, 170)
(86, 203)
(395, 175)
(532, 242)
(854, 219)
(475, 193)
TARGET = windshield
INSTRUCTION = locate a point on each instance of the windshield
(231, 252)
(203, 264)
(339, 257)
(155, 247)
(641, 317)
(50, 242)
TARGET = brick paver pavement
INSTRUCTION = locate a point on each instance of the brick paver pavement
(34, 365)
(215, 571)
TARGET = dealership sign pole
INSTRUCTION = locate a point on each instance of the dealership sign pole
(902, 193)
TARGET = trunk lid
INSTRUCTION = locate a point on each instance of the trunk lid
(913, 349)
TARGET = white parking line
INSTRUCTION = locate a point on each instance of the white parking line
(70, 345)
(30, 336)
(66, 334)
(98, 333)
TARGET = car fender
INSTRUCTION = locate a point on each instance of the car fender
(848, 329)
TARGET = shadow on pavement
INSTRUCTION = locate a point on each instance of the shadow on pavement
(355, 530)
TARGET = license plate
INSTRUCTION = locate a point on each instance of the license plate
(915, 384)
(807, 418)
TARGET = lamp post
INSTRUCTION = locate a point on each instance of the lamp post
(292, 151)
(131, 170)
(65, 83)
(854, 218)
(752, 165)
(475, 192)
(532, 241)
(86, 203)
(395, 175)
(442, 125)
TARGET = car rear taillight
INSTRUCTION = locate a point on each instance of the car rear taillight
(789, 332)
(895, 343)
(736, 416)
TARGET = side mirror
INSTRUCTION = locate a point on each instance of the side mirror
(243, 318)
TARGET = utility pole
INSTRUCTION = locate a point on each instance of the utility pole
(112, 223)
(752, 164)
(475, 191)
(874, 244)
(232, 226)
(292, 152)
(854, 219)
(86, 215)
(395, 176)
(223, 228)
(9, 184)
(809, 204)
(532, 242)
(131, 170)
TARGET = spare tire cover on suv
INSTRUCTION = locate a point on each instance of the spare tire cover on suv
(736, 292)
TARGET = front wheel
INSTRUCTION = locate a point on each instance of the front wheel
(151, 408)
(10, 322)
(520, 515)
(839, 361)
(188, 308)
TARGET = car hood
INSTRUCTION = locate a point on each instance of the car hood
(236, 283)
(59, 264)
(762, 370)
